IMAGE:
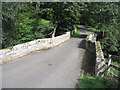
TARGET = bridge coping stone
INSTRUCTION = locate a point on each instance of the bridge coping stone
(10, 54)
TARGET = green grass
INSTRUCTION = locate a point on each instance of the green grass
(7, 48)
(116, 72)
(43, 21)
(113, 62)
(92, 28)
(76, 33)
(98, 82)
(90, 82)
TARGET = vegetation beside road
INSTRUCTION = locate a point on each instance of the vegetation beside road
(26, 21)
(97, 82)
(88, 80)
(76, 33)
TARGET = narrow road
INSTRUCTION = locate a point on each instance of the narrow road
(58, 67)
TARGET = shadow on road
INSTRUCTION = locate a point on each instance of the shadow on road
(82, 36)
(82, 44)
(88, 63)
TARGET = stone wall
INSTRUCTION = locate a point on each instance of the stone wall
(95, 46)
(90, 55)
(7, 55)
(100, 60)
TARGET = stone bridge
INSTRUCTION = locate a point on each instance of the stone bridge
(57, 67)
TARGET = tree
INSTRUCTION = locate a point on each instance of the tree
(105, 17)
(22, 22)
(63, 15)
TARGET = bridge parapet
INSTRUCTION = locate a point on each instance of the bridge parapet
(95, 46)
(10, 54)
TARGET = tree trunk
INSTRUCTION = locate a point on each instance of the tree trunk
(53, 35)
(36, 22)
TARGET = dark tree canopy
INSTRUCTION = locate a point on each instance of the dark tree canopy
(26, 21)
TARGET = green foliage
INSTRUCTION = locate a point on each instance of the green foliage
(8, 48)
(104, 17)
(25, 27)
(97, 14)
(29, 21)
(97, 82)
(76, 33)
(43, 21)
(116, 63)
(92, 28)
(116, 72)
(64, 15)
(109, 41)
(22, 22)
(44, 29)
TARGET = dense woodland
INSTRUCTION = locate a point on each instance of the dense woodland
(23, 22)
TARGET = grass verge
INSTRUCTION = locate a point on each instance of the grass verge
(97, 82)
(89, 81)
(7, 48)
(116, 63)
(92, 28)
(76, 33)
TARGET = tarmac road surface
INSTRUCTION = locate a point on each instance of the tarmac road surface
(58, 67)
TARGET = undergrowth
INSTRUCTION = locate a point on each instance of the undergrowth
(76, 33)
(92, 28)
(97, 82)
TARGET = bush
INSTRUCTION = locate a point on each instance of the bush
(77, 32)
(109, 40)
(97, 82)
